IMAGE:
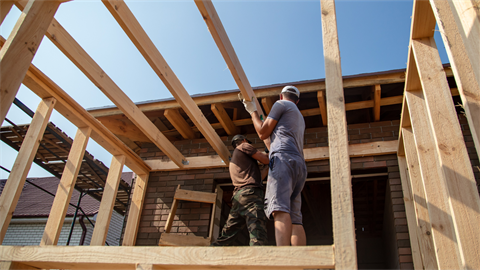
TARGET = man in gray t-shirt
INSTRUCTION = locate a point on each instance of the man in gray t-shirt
(285, 128)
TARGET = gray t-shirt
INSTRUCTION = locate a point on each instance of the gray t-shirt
(287, 136)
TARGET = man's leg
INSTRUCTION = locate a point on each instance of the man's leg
(283, 228)
(298, 235)
(256, 218)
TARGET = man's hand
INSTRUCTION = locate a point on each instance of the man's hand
(250, 106)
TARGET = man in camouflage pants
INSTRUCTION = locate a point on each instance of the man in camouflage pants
(248, 196)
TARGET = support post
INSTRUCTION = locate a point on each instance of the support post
(135, 210)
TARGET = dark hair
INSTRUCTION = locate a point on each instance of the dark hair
(290, 96)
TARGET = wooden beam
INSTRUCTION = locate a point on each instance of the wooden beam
(458, 21)
(310, 154)
(5, 265)
(65, 188)
(20, 48)
(171, 215)
(108, 201)
(179, 123)
(267, 103)
(218, 214)
(322, 104)
(224, 119)
(67, 44)
(83, 257)
(377, 96)
(195, 196)
(416, 209)
(220, 36)
(436, 197)
(139, 37)
(23, 162)
(451, 152)
(5, 6)
(423, 20)
(341, 185)
(135, 210)
(169, 239)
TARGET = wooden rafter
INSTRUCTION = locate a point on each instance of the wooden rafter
(67, 44)
(5, 7)
(224, 119)
(377, 94)
(179, 123)
(139, 37)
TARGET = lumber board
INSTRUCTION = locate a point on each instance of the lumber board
(5, 6)
(65, 188)
(217, 214)
(140, 39)
(436, 196)
(171, 215)
(67, 44)
(20, 48)
(108, 200)
(322, 104)
(459, 25)
(23, 162)
(224, 119)
(169, 239)
(310, 154)
(377, 96)
(83, 257)
(212, 217)
(195, 196)
(423, 20)
(419, 226)
(135, 210)
(179, 123)
(454, 161)
(341, 186)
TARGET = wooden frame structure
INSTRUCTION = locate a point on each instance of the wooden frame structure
(453, 206)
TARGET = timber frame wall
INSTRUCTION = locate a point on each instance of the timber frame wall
(442, 202)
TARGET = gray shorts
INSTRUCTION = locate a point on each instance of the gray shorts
(286, 179)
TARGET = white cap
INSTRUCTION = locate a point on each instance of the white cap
(291, 89)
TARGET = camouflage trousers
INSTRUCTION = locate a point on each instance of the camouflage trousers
(247, 208)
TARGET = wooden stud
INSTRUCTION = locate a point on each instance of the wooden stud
(341, 186)
(23, 162)
(218, 213)
(464, 199)
(224, 119)
(87, 257)
(67, 44)
(20, 48)
(377, 102)
(459, 25)
(135, 210)
(139, 37)
(212, 218)
(108, 200)
(63, 196)
(416, 209)
(267, 103)
(179, 123)
(171, 216)
(5, 6)
(322, 104)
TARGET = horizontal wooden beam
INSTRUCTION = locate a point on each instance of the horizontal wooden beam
(85, 257)
(310, 154)
(195, 196)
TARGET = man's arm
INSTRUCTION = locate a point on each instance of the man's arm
(262, 157)
(264, 129)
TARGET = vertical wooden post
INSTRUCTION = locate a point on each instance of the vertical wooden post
(20, 48)
(108, 201)
(463, 198)
(65, 188)
(323, 106)
(341, 185)
(135, 210)
(23, 162)
(218, 213)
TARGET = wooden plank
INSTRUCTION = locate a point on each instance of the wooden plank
(135, 210)
(217, 214)
(179, 123)
(464, 200)
(169, 239)
(323, 106)
(67, 44)
(14, 185)
(423, 20)
(267, 103)
(20, 48)
(108, 200)
(377, 96)
(310, 154)
(84, 257)
(458, 21)
(433, 180)
(65, 188)
(195, 196)
(212, 218)
(139, 37)
(224, 119)
(416, 208)
(171, 215)
(5, 6)
(341, 186)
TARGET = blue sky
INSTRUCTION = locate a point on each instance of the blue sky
(276, 42)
